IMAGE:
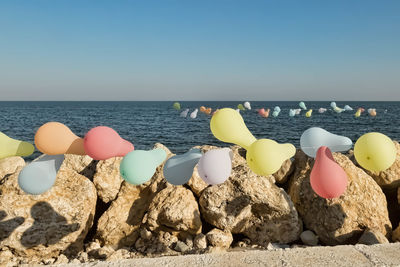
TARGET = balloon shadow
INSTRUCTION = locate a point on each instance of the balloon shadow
(7, 227)
(48, 228)
(76, 146)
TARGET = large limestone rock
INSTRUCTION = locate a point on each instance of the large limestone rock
(9, 166)
(284, 172)
(174, 209)
(389, 178)
(119, 225)
(251, 205)
(107, 179)
(83, 165)
(43, 226)
(341, 220)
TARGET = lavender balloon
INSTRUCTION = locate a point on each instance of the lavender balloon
(215, 166)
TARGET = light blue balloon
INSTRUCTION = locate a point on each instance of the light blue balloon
(277, 108)
(275, 113)
(40, 175)
(333, 105)
(348, 108)
(302, 105)
(313, 138)
(292, 113)
(138, 166)
(179, 169)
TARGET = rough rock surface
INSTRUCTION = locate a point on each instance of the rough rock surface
(341, 220)
(43, 226)
(119, 225)
(10, 165)
(196, 184)
(389, 178)
(372, 237)
(251, 205)
(107, 179)
(219, 238)
(83, 165)
(396, 234)
(174, 209)
(284, 172)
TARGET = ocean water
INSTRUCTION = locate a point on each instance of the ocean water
(145, 123)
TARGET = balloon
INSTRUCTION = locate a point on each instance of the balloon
(39, 176)
(298, 111)
(375, 151)
(303, 105)
(176, 106)
(261, 112)
(202, 109)
(247, 105)
(277, 108)
(54, 138)
(348, 108)
(103, 142)
(266, 114)
(327, 178)
(322, 110)
(362, 110)
(333, 105)
(292, 112)
(358, 113)
(193, 115)
(372, 112)
(184, 113)
(228, 126)
(275, 113)
(241, 107)
(179, 169)
(313, 138)
(11, 147)
(215, 166)
(265, 156)
(138, 166)
(309, 113)
(338, 110)
(208, 111)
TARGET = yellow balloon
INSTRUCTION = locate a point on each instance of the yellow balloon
(308, 113)
(358, 113)
(10, 147)
(375, 151)
(227, 125)
(265, 156)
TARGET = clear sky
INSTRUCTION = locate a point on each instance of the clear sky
(200, 50)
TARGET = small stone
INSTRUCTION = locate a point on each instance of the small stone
(145, 234)
(219, 238)
(120, 254)
(200, 241)
(62, 259)
(83, 257)
(309, 238)
(181, 247)
(372, 237)
(189, 241)
(75, 261)
(48, 261)
(92, 246)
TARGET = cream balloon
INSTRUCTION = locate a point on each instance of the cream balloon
(215, 166)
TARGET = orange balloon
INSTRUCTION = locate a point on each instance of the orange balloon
(208, 111)
(261, 112)
(266, 113)
(54, 138)
(328, 179)
(202, 109)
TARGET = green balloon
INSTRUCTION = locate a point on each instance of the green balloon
(241, 107)
(138, 166)
(176, 106)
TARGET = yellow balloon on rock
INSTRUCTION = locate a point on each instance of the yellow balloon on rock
(375, 151)
(265, 156)
(10, 147)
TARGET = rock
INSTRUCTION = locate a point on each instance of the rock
(219, 238)
(396, 234)
(372, 237)
(284, 172)
(83, 165)
(196, 184)
(107, 179)
(189, 241)
(62, 259)
(119, 225)
(9, 166)
(101, 253)
(145, 234)
(341, 220)
(174, 209)
(48, 261)
(83, 257)
(160, 243)
(251, 205)
(7, 258)
(75, 261)
(309, 238)
(120, 254)
(389, 178)
(45, 225)
(200, 241)
(181, 247)
(398, 195)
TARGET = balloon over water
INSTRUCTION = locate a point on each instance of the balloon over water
(184, 113)
(11, 147)
(247, 105)
(303, 105)
(193, 115)
(241, 107)
(309, 113)
(176, 106)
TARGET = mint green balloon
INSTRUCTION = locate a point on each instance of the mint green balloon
(138, 166)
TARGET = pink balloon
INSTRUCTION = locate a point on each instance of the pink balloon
(261, 111)
(215, 166)
(103, 142)
(328, 179)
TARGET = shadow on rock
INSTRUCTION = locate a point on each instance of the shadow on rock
(7, 227)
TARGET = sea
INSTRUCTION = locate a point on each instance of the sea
(146, 123)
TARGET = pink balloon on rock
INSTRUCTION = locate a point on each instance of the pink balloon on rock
(103, 142)
(328, 179)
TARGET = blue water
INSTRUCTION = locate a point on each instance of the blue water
(145, 123)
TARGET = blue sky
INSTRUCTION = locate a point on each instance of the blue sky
(200, 50)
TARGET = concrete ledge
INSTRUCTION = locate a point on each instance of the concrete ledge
(359, 255)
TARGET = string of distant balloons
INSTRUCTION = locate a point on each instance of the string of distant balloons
(373, 151)
(263, 112)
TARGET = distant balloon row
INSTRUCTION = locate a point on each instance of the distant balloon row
(276, 111)
(373, 151)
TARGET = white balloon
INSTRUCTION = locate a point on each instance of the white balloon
(247, 105)
(348, 108)
(322, 110)
(313, 138)
(184, 113)
(215, 166)
(193, 115)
